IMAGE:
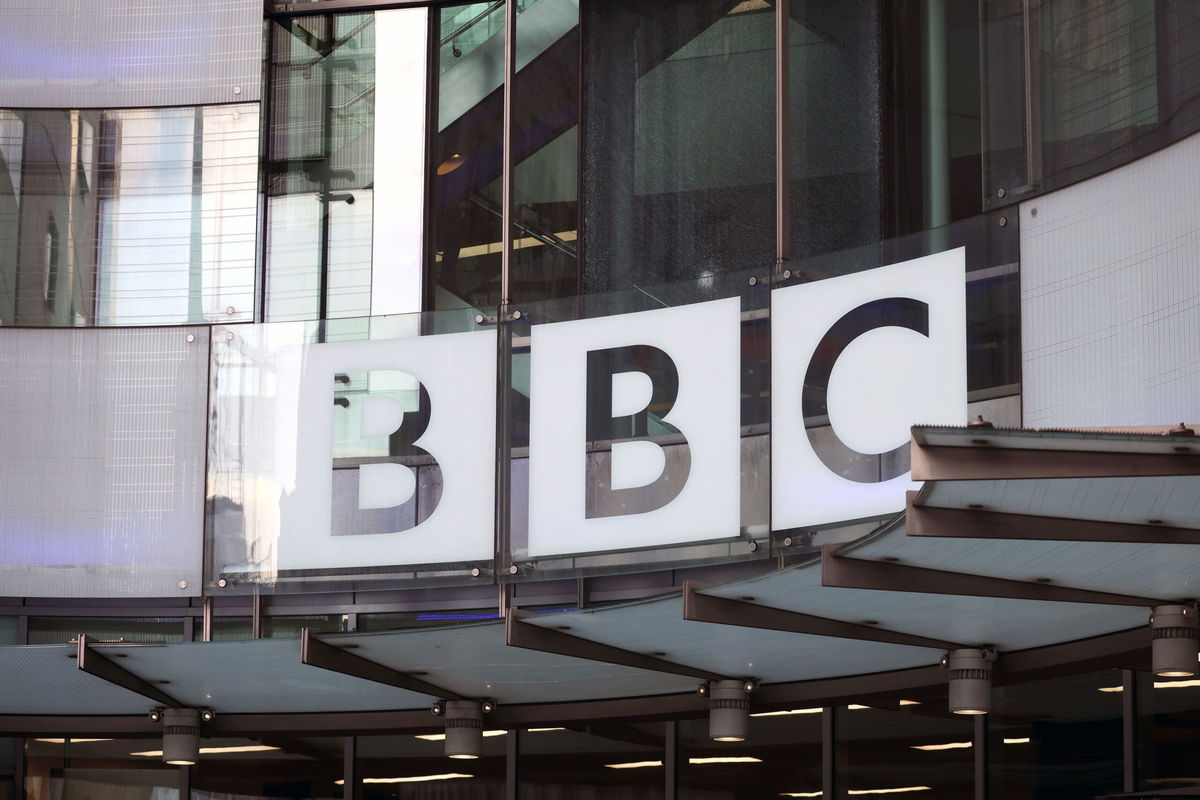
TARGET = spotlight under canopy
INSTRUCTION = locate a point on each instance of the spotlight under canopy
(1175, 647)
(970, 680)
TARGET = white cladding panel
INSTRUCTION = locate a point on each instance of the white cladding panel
(1110, 296)
(102, 462)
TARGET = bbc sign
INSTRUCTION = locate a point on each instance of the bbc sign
(875, 352)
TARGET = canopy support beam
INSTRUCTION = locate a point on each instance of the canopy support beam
(700, 607)
(316, 653)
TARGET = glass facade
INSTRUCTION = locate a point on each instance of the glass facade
(422, 267)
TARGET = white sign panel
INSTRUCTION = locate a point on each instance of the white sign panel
(457, 374)
(590, 380)
(878, 352)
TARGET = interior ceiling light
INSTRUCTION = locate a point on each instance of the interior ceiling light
(413, 778)
(1017, 740)
(450, 164)
(1157, 685)
(910, 702)
(205, 751)
(897, 790)
(1176, 645)
(788, 712)
(635, 765)
(72, 741)
(529, 730)
(970, 680)
(726, 760)
(943, 746)
(441, 737)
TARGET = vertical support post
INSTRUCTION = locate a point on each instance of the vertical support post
(264, 162)
(1129, 728)
(189, 626)
(351, 785)
(185, 783)
(828, 760)
(510, 75)
(671, 760)
(206, 626)
(783, 149)
(1032, 91)
(256, 616)
(937, 119)
(512, 764)
(981, 757)
(19, 769)
(326, 173)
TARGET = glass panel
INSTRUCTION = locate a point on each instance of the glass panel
(130, 53)
(332, 464)
(102, 453)
(545, 152)
(835, 143)
(781, 757)
(418, 761)
(678, 141)
(290, 627)
(279, 767)
(1059, 738)
(346, 169)
(61, 630)
(620, 760)
(83, 769)
(636, 429)
(130, 217)
(1167, 714)
(902, 747)
(467, 158)
(1072, 89)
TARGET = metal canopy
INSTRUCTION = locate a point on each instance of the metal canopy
(990, 556)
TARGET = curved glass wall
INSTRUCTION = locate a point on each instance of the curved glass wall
(128, 217)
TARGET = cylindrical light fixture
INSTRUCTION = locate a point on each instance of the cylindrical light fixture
(464, 728)
(970, 680)
(729, 710)
(181, 735)
(1176, 646)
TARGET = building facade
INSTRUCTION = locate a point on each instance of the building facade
(382, 373)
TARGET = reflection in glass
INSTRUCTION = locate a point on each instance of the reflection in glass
(780, 757)
(906, 746)
(1060, 738)
(415, 766)
(621, 760)
(346, 164)
(678, 141)
(130, 217)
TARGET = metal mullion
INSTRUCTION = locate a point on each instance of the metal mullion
(510, 72)
(981, 757)
(783, 185)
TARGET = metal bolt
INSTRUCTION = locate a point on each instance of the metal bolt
(237, 115)
(479, 319)
(229, 336)
(753, 281)
(516, 315)
(229, 310)
(787, 542)
(183, 584)
(191, 337)
(752, 546)
(475, 572)
(787, 273)
(1001, 192)
(1003, 222)
(222, 583)
(512, 570)
(237, 90)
